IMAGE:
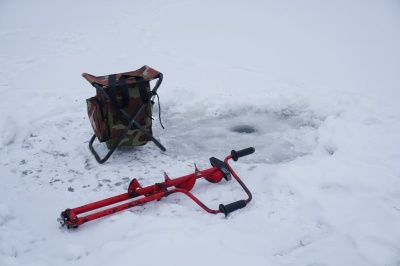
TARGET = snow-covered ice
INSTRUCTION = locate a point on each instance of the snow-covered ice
(318, 82)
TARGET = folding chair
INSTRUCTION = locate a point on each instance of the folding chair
(120, 113)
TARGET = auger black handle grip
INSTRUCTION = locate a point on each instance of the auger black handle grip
(237, 154)
(231, 207)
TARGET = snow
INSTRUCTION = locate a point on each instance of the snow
(317, 80)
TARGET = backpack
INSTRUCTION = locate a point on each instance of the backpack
(121, 111)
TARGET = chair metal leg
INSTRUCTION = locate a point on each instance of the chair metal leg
(123, 134)
(96, 155)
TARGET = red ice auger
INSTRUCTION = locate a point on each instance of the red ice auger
(220, 169)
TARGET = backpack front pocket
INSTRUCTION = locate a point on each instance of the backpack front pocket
(98, 118)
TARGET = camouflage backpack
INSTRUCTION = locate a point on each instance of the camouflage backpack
(120, 113)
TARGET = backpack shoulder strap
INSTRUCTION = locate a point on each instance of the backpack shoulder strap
(112, 88)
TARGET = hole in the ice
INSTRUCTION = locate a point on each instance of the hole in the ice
(330, 150)
(276, 138)
(244, 129)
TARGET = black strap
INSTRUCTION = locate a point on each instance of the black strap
(144, 95)
(112, 86)
(143, 90)
(124, 92)
(159, 108)
(112, 91)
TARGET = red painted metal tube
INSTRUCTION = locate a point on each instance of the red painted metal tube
(142, 191)
(238, 179)
(101, 203)
(201, 204)
(141, 201)
(153, 192)
(156, 192)
(119, 208)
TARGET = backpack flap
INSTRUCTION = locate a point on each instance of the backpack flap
(145, 72)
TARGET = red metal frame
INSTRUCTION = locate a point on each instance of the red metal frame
(183, 184)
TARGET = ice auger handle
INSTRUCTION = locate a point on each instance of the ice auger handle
(231, 207)
(237, 154)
